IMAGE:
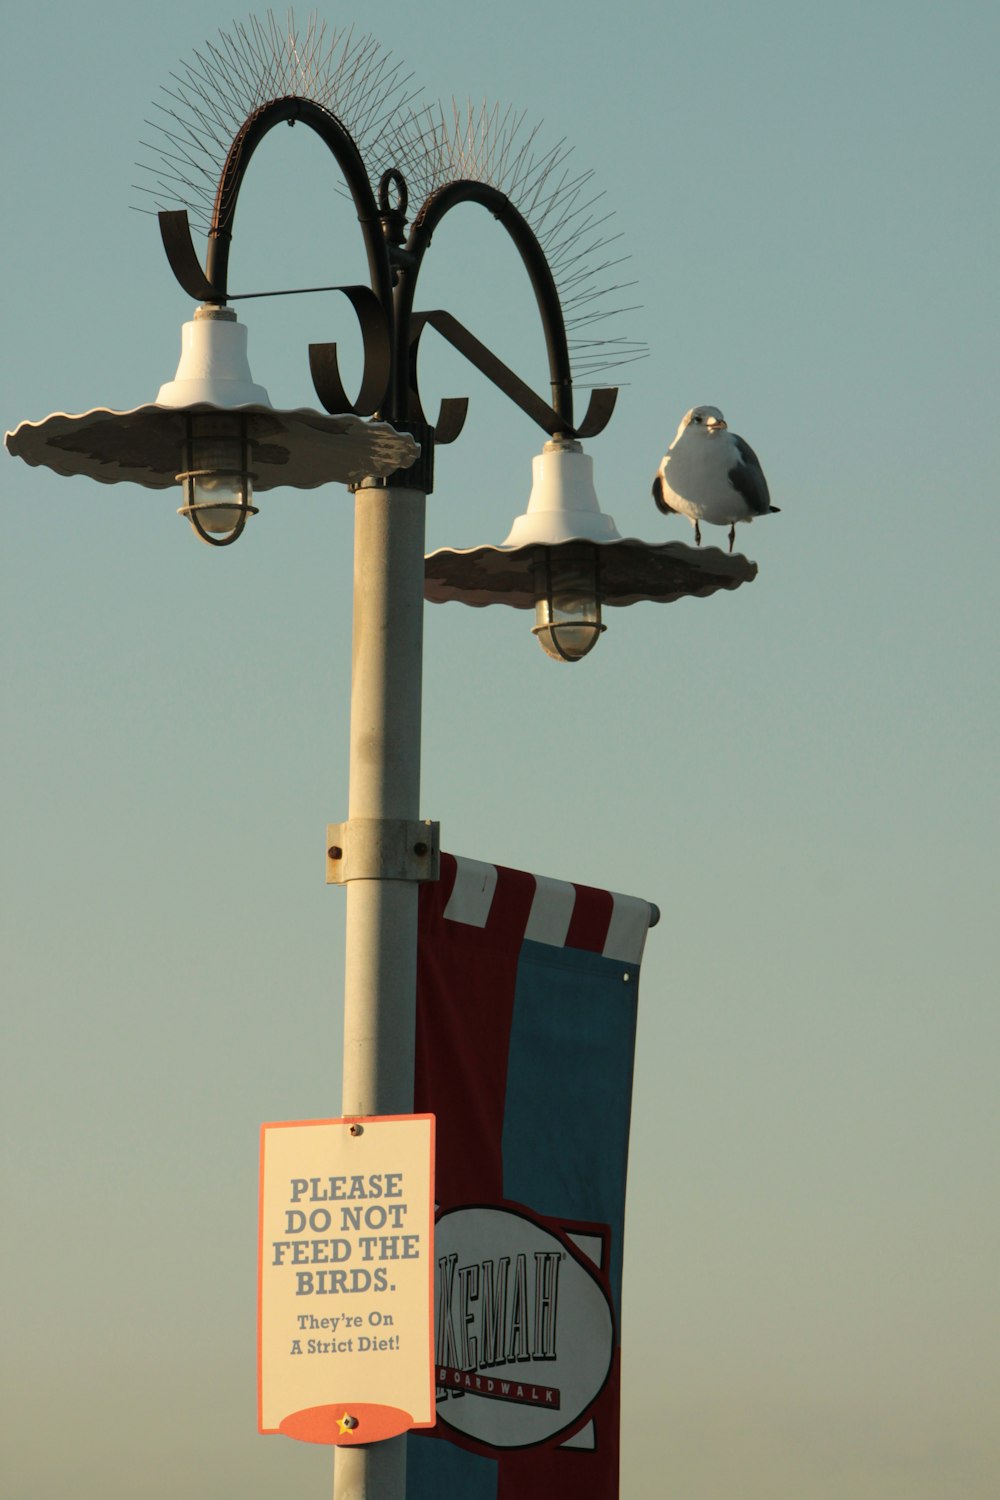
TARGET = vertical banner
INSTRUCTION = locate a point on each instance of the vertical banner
(346, 1278)
(526, 1015)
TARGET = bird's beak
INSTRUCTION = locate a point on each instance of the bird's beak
(715, 424)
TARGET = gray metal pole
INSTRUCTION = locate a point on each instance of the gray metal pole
(381, 960)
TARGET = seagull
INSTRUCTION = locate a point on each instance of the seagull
(710, 474)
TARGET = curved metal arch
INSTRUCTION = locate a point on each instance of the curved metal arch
(292, 110)
(542, 281)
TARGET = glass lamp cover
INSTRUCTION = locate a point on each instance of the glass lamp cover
(216, 482)
(217, 485)
(567, 608)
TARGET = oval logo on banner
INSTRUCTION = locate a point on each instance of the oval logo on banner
(524, 1332)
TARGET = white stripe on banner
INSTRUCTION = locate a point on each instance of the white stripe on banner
(472, 896)
(551, 911)
(627, 931)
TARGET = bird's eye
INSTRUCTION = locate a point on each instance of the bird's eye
(699, 419)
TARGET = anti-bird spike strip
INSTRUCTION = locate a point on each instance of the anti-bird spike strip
(484, 145)
(209, 99)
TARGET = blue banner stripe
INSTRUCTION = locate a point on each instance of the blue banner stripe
(436, 1470)
(569, 1088)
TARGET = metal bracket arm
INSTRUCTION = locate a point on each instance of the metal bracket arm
(382, 849)
(602, 400)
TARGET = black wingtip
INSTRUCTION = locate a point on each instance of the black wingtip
(661, 503)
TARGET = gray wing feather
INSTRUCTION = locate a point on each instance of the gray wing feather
(748, 478)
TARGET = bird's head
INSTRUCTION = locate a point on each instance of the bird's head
(703, 419)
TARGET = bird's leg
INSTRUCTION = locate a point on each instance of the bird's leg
(732, 535)
(697, 534)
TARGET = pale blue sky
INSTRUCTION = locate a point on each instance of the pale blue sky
(801, 774)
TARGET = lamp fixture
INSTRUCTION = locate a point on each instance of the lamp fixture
(566, 559)
(213, 430)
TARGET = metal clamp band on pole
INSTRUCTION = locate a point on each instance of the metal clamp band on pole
(382, 849)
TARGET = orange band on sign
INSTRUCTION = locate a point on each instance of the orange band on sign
(346, 1423)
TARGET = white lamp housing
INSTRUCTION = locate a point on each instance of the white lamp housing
(563, 505)
(213, 366)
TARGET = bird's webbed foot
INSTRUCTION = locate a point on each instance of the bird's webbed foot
(697, 534)
(732, 535)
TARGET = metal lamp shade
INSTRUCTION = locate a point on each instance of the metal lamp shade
(631, 571)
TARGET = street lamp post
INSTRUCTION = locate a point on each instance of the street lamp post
(214, 431)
